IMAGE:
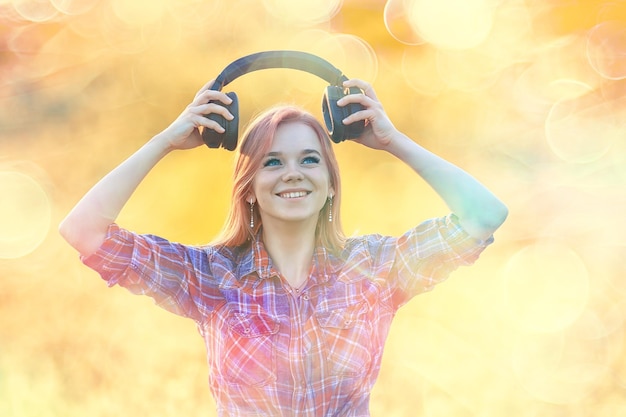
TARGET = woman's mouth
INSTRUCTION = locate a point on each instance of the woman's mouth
(293, 194)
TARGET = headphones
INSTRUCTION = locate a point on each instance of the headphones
(333, 114)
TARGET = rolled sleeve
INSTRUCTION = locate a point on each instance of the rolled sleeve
(113, 257)
(150, 265)
(424, 256)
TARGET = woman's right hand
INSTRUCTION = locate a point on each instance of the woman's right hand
(184, 132)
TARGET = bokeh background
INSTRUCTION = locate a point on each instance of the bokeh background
(527, 95)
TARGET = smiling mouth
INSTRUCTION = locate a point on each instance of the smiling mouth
(296, 194)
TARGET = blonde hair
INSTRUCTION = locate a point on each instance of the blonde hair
(255, 144)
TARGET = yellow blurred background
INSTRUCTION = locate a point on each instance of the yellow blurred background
(527, 95)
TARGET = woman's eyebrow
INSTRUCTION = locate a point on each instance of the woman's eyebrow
(304, 152)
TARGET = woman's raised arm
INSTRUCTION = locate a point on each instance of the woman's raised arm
(479, 211)
(85, 226)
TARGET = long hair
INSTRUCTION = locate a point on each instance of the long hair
(255, 144)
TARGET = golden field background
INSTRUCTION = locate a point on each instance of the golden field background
(527, 95)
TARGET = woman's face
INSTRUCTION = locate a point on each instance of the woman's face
(292, 183)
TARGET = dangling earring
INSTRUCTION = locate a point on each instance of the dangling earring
(252, 215)
(330, 209)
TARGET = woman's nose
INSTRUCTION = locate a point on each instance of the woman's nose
(292, 173)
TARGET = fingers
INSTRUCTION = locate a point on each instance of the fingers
(211, 102)
(205, 96)
(207, 108)
(366, 87)
(366, 115)
(208, 124)
(204, 88)
(372, 108)
(205, 103)
(367, 98)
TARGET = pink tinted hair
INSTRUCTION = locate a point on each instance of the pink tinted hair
(255, 144)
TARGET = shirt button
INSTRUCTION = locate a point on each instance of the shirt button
(246, 330)
(305, 296)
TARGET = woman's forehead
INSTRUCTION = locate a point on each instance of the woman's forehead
(295, 136)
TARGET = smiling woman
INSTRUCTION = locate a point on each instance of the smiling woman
(294, 315)
(297, 138)
(293, 184)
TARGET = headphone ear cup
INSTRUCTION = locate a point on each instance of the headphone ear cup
(354, 130)
(334, 115)
(228, 139)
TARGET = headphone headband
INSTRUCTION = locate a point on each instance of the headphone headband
(303, 61)
(298, 60)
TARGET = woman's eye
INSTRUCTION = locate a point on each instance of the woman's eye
(271, 162)
(311, 160)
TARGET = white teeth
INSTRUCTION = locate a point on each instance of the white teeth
(294, 194)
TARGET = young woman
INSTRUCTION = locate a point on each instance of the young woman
(294, 315)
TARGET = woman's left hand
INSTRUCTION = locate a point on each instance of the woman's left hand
(379, 130)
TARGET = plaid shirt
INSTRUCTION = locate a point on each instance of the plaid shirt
(273, 351)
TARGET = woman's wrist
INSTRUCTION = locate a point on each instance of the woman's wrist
(160, 144)
(402, 147)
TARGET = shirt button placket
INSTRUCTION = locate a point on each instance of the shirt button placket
(299, 308)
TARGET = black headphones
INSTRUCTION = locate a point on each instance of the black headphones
(333, 114)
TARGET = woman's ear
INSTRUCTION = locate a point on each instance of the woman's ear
(251, 199)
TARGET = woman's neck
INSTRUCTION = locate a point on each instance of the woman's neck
(291, 246)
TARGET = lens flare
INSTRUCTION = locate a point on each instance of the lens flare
(25, 214)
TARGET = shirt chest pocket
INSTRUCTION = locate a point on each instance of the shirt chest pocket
(249, 357)
(346, 336)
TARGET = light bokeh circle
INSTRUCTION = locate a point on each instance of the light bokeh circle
(420, 70)
(606, 49)
(74, 7)
(351, 54)
(25, 214)
(139, 13)
(452, 24)
(303, 12)
(397, 22)
(35, 10)
(546, 287)
(558, 368)
(583, 129)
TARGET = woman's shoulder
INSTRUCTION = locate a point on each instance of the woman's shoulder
(375, 242)
(228, 253)
(366, 244)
